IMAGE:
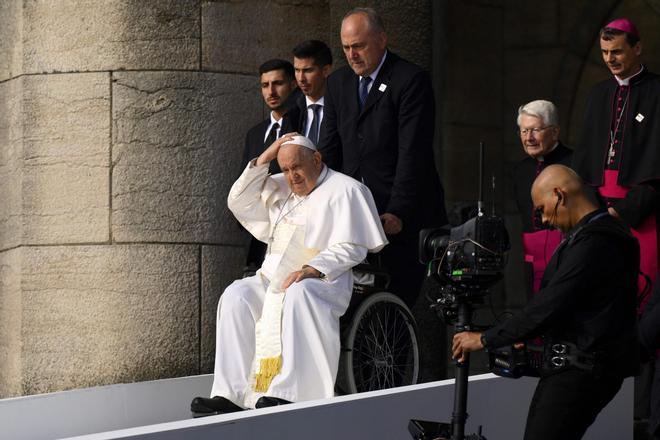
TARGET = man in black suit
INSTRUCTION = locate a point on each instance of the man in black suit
(277, 81)
(378, 128)
(312, 62)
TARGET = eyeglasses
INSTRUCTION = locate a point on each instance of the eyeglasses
(533, 131)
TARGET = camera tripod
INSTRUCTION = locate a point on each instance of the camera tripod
(454, 305)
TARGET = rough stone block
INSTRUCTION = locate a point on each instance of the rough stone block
(88, 35)
(410, 37)
(528, 75)
(568, 77)
(572, 17)
(10, 323)
(97, 315)
(581, 20)
(530, 24)
(465, 82)
(11, 158)
(592, 73)
(460, 174)
(66, 158)
(178, 140)
(11, 39)
(240, 36)
(220, 266)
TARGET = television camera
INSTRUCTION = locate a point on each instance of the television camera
(463, 263)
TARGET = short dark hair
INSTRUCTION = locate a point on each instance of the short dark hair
(277, 64)
(317, 50)
(609, 34)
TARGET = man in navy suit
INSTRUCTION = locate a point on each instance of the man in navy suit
(378, 128)
(277, 81)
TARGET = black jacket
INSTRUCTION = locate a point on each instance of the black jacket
(524, 174)
(588, 296)
(640, 156)
(254, 140)
(389, 143)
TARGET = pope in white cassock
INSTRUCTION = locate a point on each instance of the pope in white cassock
(277, 338)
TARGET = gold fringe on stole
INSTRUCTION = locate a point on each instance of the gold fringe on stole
(268, 369)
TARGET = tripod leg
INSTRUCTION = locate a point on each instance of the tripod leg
(459, 416)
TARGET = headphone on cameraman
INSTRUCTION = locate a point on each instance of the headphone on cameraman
(559, 199)
(554, 212)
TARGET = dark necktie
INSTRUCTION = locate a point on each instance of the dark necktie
(272, 135)
(313, 134)
(364, 89)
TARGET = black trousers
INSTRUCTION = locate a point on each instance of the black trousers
(400, 259)
(654, 420)
(565, 404)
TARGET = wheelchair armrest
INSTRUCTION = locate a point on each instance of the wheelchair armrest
(378, 272)
(369, 268)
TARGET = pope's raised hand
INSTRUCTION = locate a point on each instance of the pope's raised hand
(271, 152)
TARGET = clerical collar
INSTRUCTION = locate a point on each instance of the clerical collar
(626, 82)
(322, 175)
(374, 74)
(309, 102)
(542, 158)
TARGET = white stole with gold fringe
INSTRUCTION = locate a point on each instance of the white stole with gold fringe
(289, 240)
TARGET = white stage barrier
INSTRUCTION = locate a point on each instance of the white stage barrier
(160, 410)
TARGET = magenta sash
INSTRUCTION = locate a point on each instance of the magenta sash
(538, 248)
(646, 233)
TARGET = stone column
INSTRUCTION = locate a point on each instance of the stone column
(121, 129)
(118, 145)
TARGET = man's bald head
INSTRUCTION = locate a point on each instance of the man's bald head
(558, 176)
(560, 196)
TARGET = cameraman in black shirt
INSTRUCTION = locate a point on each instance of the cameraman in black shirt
(586, 307)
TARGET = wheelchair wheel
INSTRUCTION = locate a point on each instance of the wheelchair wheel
(380, 347)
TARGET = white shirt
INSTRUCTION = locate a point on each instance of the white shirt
(272, 122)
(374, 74)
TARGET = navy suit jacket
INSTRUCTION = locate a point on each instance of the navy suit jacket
(389, 143)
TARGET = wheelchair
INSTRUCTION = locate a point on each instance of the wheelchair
(380, 346)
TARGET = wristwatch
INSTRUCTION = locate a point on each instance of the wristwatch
(321, 274)
(483, 340)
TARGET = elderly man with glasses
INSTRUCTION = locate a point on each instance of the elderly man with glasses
(538, 128)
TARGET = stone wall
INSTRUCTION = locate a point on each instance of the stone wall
(121, 130)
(117, 150)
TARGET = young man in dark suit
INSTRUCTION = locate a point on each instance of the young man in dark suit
(277, 81)
(312, 62)
(378, 128)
